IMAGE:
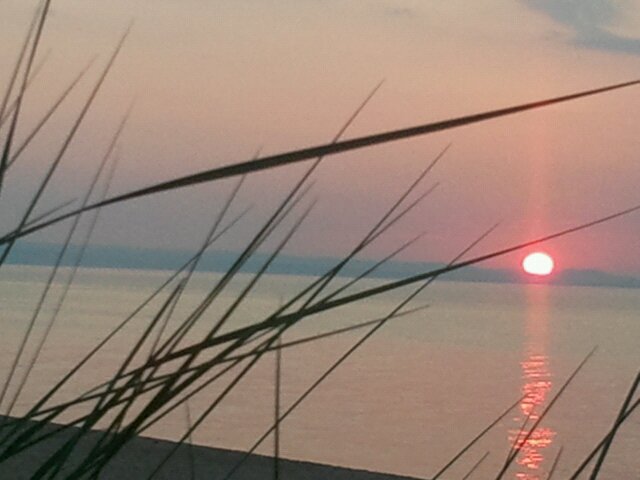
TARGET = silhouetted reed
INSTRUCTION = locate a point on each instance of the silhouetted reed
(165, 368)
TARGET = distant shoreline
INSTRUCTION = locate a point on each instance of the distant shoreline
(43, 254)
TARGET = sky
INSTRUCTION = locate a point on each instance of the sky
(214, 82)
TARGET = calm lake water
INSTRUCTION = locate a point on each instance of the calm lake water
(406, 401)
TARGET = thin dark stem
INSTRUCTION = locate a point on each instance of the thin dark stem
(266, 229)
(517, 443)
(556, 461)
(36, 71)
(323, 150)
(597, 448)
(35, 410)
(189, 441)
(16, 69)
(69, 280)
(50, 211)
(27, 72)
(156, 381)
(555, 398)
(53, 274)
(50, 279)
(179, 334)
(475, 466)
(484, 431)
(169, 391)
(70, 136)
(49, 113)
(342, 359)
(614, 429)
(348, 299)
(276, 413)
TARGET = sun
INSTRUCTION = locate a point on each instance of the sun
(538, 263)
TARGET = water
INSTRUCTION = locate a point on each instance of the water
(406, 401)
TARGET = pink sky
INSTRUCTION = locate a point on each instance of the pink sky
(216, 80)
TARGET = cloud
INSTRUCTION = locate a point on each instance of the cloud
(589, 20)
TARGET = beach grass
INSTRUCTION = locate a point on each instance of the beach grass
(166, 367)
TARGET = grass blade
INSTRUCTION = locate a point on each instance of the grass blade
(69, 280)
(276, 412)
(36, 71)
(65, 146)
(43, 121)
(339, 362)
(36, 409)
(605, 448)
(27, 73)
(594, 452)
(16, 69)
(323, 150)
(556, 461)
(484, 431)
(390, 286)
(475, 467)
(50, 211)
(555, 398)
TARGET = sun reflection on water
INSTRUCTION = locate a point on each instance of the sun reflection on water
(536, 385)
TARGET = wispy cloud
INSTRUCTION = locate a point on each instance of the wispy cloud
(590, 20)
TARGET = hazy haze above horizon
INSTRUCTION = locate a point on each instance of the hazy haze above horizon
(215, 81)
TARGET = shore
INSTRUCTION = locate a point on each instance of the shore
(142, 455)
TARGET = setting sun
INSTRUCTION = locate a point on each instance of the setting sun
(538, 263)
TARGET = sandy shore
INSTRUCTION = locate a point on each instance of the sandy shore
(143, 454)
